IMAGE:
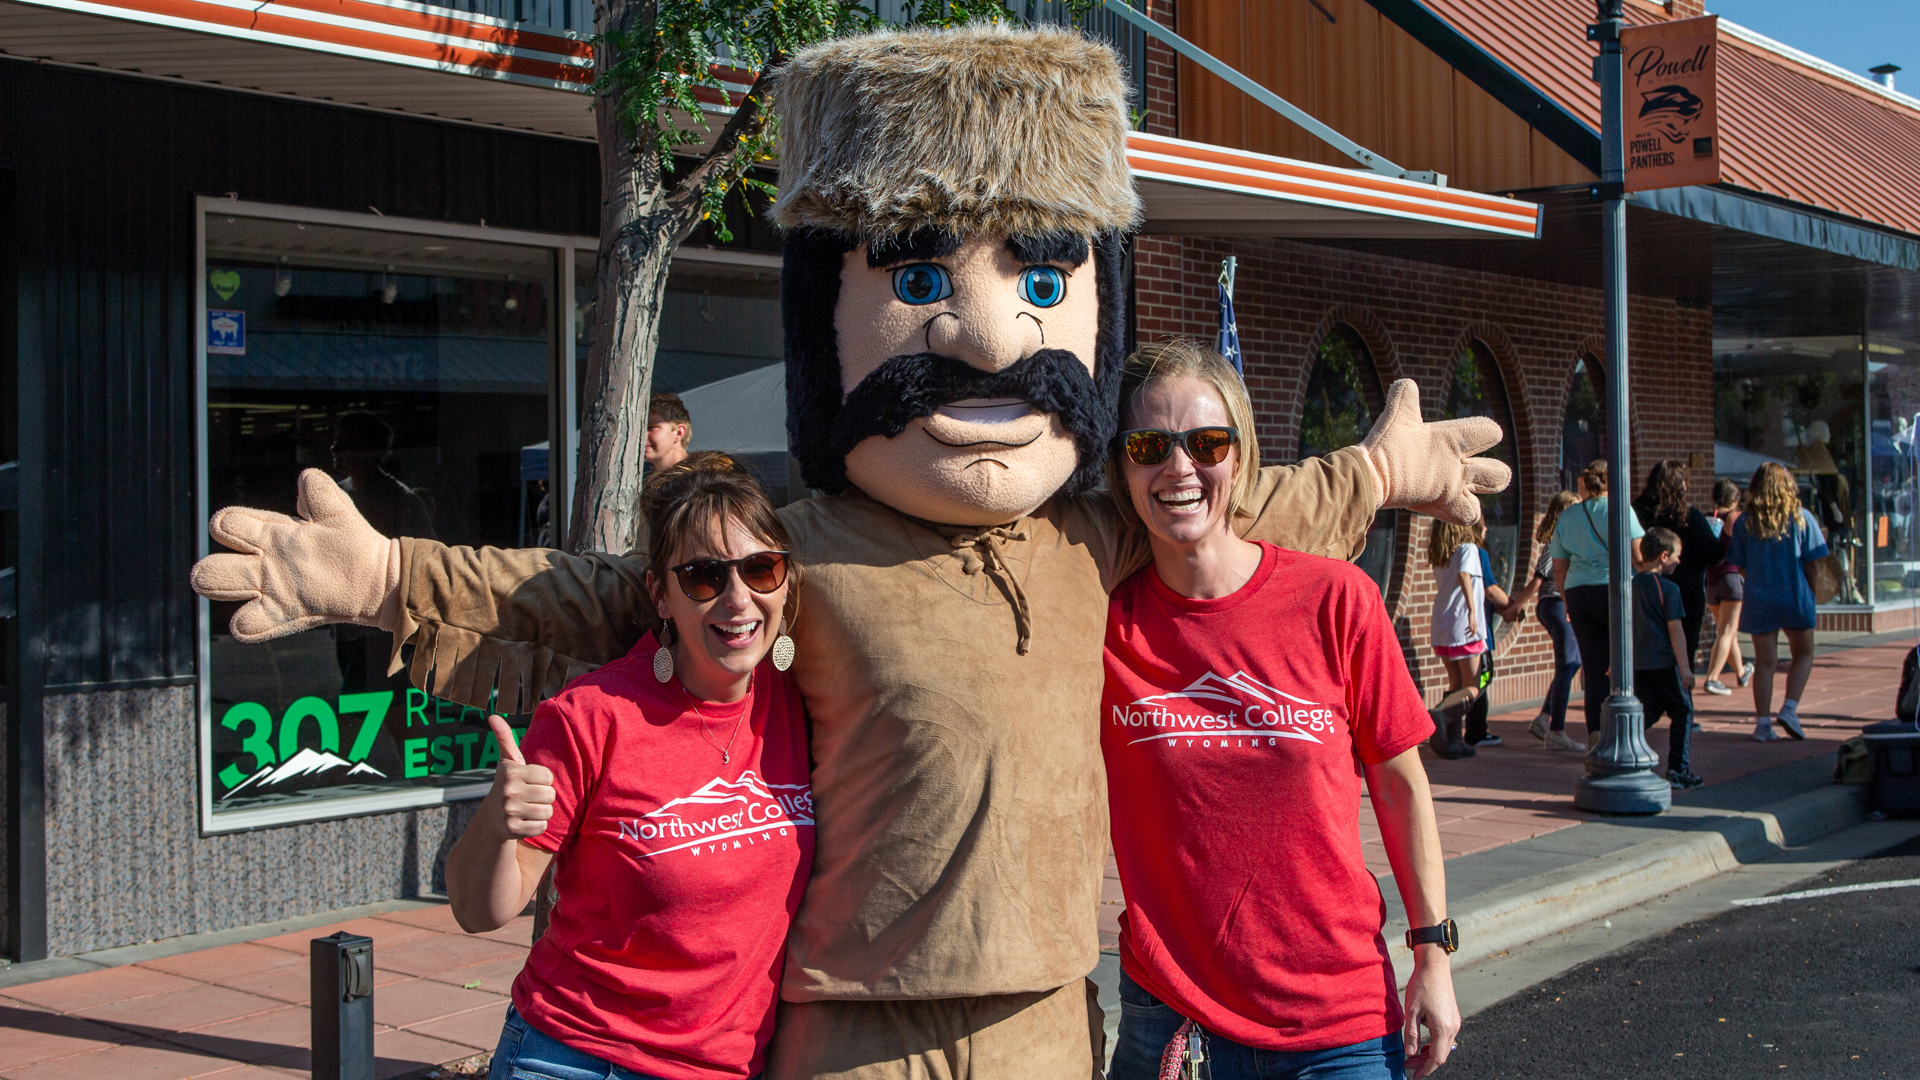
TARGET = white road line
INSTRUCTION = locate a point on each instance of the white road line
(1811, 893)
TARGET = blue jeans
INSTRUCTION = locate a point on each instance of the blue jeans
(1552, 612)
(528, 1054)
(1147, 1024)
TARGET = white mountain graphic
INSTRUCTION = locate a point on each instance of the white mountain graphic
(1212, 687)
(304, 763)
(716, 792)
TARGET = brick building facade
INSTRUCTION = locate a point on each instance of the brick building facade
(1415, 319)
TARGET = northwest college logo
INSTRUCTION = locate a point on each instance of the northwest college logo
(1253, 712)
(722, 816)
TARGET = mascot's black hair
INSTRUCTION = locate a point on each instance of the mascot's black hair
(809, 293)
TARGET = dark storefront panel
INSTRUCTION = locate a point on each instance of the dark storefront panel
(108, 169)
(104, 172)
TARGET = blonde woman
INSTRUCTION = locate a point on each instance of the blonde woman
(1259, 931)
(1458, 632)
(1771, 544)
(1551, 725)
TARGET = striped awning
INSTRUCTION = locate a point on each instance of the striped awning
(1198, 189)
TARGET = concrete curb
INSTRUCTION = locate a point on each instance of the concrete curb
(1511, 915)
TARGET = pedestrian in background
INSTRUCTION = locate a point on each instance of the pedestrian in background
(1579, 550)
(1726, 592)
(1496, 603)
(1663, 502)
(1551, 725)
(1458, 630)
(1772, 543)
(1662, 678)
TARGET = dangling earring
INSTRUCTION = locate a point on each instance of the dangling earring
(783, 645)
(663, 656)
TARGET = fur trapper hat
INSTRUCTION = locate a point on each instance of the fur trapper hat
(981, 129)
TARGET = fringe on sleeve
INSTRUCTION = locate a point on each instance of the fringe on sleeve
(522, 623)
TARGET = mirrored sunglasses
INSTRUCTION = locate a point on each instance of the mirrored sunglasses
(1205, 445)
(704, 579)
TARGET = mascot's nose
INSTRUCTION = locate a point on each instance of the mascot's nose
(987, 333)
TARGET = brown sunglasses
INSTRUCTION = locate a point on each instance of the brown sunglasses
(704, 579)
(1205, 445)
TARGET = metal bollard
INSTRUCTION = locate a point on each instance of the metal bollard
(342, 972)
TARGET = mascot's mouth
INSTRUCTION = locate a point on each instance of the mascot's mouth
(1010, 422)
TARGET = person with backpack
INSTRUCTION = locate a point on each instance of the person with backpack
(1772, 543)
(1579, 550)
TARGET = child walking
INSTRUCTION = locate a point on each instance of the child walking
(1660, 680)
(1459, 631)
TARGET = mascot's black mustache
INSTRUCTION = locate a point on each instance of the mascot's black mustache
(911, 386)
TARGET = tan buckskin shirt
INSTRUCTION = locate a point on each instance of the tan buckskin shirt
(959, 792)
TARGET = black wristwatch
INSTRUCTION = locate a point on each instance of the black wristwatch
(1446, 935)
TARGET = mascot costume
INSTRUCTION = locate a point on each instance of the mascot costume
(954, 298)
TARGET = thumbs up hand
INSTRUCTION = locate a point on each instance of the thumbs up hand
(522, 795)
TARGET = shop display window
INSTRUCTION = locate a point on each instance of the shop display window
(1799, 400)
(1893, 392)
(1478, 389)
(414, 367)
(1583, 431)
(1344, 396)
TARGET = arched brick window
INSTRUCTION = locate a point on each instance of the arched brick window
(1583, 433)
(1344, 395)
(1478, 389)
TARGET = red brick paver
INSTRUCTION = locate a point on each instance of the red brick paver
(239, 1011)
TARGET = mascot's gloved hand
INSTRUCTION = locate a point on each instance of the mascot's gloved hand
(325, 566)
(1430, 468)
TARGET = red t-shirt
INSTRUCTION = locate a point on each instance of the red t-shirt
(1233, 731)
(678, 874)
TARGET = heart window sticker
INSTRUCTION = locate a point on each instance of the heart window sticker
(225, 282)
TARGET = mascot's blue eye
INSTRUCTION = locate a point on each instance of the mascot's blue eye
(1042, 286)
(921, 283)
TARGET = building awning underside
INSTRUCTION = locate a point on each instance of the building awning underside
(458, 66)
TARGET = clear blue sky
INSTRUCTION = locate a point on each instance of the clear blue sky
(1854, 34)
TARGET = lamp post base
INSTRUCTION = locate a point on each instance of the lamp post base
(1623, 793)
(1619, 779)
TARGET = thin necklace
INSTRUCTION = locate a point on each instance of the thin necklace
(726, 752)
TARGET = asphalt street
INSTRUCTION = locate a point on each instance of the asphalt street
(1825, 986)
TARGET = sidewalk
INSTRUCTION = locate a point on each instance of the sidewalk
(237, 1010)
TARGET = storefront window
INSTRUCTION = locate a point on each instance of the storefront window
(1343, 398)
(1477, 389)
(1583, 433)
(1800, 401)
(414, 369)
(721, 351)
(1893, 377)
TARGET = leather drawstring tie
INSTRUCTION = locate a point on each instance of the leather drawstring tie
(982, 550)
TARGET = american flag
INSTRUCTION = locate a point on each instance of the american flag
(1227, 341)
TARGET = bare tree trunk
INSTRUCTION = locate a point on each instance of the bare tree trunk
(639, 229)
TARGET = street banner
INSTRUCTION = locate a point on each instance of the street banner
(1671, 123)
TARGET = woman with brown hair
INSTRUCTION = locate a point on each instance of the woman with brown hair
(1726, 592)
(1579, 549)
(671, 789)
(1663, 502)
(1772, 543)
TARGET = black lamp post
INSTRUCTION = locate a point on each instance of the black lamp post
(1619, 779)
